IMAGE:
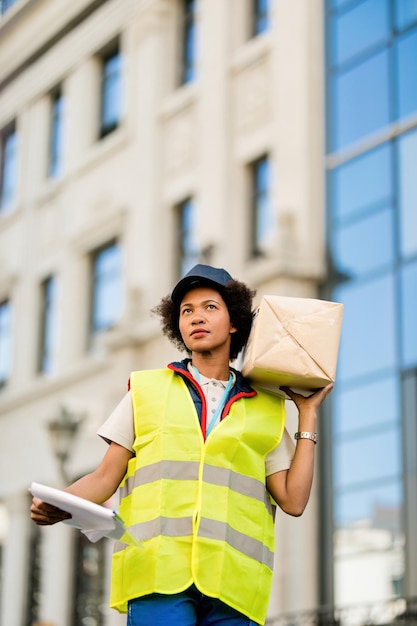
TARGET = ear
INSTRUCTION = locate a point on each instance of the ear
(232, 329)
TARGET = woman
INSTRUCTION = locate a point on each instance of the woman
(201, 458)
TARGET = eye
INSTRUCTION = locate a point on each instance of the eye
(185, 310)
(211, 307)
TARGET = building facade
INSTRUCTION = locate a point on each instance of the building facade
(372, 253)
(138, 137)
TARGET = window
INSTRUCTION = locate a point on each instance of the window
(359, 28)
(4, 528)
(5, 341)
(56, 135)
(370, 503)
(409, 311)
(111, 92)
(407, 157)
(8, 165)
(260, 16)
(187, 246)
(362, 204)
(47, 331)
(106, 287)
(406, 63)
(405, 13)
(34, 573)
(188, 60)
(362, 97)
(89, 590)
(261, 218)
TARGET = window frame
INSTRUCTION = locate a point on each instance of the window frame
(34, 575)
(96, 597)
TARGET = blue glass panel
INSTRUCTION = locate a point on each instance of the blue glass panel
(359, 28)
(409, 315)
(340, 3)
(5, 340)
(366, 406)
(107, 301)
(372, 458)
(189, 42)
(111, 103)
(363, 183)
(406, 52)
(8, 176)
(5, 5)
(48, 326)
(365, 245)
(263, 225)
(408, 193)
(189, 248)
(55, 160)
(261, 16)
(368, 334)
(362, 100)
(405, 13)
(364, 504)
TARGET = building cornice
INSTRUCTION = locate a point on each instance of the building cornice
(59, 34)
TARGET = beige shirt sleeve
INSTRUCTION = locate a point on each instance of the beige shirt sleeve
(119, 425)
(119, 428)
(280, 457)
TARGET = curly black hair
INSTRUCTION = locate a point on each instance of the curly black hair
(238, 298)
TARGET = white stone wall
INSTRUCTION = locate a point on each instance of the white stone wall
(250, 97)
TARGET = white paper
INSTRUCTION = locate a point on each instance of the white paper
(94, 521)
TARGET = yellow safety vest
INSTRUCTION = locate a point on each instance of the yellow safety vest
(200, 508)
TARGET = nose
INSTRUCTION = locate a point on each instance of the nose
(197, 319)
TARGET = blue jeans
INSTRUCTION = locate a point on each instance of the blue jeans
(189, 608)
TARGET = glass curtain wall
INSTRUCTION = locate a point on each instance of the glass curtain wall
(372, 246)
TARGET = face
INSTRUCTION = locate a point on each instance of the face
(204, 321)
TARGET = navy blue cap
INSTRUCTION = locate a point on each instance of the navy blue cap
(201, 275)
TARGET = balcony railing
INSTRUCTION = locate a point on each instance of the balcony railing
(395, 612)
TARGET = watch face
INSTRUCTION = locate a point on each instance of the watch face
(305, 435)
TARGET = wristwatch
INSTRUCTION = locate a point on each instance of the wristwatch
(304, 435)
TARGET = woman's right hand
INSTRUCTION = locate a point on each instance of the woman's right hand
(45, 514)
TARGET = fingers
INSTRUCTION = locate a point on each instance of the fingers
(323, 392)
(45, 514)
(290, 393)
(315, 399)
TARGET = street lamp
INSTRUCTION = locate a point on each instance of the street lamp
(62, 432)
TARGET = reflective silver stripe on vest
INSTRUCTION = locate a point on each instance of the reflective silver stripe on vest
(245, 485)
(188, 470)
(255, 549)
(168, 470)
(166, 526)
(208, 528)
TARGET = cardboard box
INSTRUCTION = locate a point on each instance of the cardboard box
(293, 342)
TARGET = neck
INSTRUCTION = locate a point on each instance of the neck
(211, 368)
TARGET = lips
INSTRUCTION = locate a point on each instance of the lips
(200, 332)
